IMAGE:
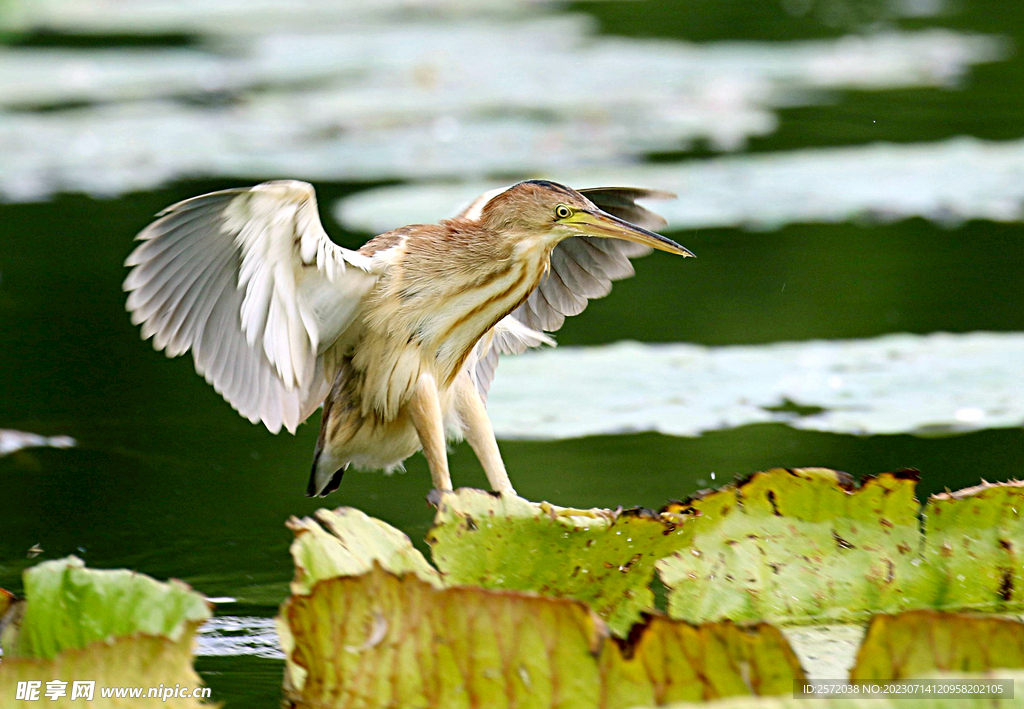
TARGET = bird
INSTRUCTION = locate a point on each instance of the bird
(398, 340)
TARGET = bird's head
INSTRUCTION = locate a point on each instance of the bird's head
(539, 209)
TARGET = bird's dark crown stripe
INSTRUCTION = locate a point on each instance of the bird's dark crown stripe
(550, 185)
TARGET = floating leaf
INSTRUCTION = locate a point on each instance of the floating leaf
(69, 606)
(7, 600)
(116, 628)
(672, 661)
(975, 538)
(947, 181)
(807, 546)
(226, 17)
(602, 557)
(922, 384)
(381, 640)
(347, 542)
(136, 661)
(797, 545)
(328, 105)
(12, 441)
(921, 643)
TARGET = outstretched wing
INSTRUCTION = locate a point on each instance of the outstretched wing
(248, 280)
(582, 268)
(509, 336)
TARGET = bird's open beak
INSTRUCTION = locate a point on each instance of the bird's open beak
(600, 223)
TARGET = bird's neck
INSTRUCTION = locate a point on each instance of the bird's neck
(471, 309)
(433, 307)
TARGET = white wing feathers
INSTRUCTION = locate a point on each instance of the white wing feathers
(278, 235)
(473, 210)
(250, 282)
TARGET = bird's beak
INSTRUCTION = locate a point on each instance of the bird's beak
(600, 223)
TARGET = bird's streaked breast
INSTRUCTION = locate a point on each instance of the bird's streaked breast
(434, 303)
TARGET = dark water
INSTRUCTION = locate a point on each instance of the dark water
(168, 480)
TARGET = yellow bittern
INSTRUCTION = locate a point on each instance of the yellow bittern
(398, 340)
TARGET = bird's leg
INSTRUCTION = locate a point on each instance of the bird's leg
(425, 410)
(477, 426)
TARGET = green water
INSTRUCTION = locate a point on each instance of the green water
(168, 480)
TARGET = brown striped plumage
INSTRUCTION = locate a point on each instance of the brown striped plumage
(398, 340)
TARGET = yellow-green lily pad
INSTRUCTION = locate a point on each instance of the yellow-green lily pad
(383, 640)
(808, 546)
(113, 628)
(602, 557)
(922, 643)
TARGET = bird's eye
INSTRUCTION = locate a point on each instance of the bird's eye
(562, 212)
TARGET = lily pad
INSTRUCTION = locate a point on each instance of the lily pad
(947, 181)
(229, 17)
(921, 643)
(115, 628)
(380, 640)
(797, 546)
(602, 557)
(69, 606)
(137, 661)
(347, 542)
(328, 105)
(12, 441)
(975, 538)
(794, 546)
(7, 599)
(937, 384)
(800, 546)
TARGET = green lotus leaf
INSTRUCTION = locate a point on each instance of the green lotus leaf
(799, 546)
(116, 628)
(69, 606)
(132, 661)
(921, 643)
(602, 557)
(382, 640)
(974, 546)
(346, 542)
(665, 661)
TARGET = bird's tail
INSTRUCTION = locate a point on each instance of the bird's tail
(328, 468)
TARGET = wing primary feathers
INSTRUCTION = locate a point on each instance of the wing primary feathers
(218, 275)
(509, 336)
